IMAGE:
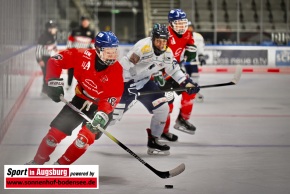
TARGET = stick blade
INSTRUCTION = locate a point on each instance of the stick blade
(238, 74)
(176, 171)
(168, 174)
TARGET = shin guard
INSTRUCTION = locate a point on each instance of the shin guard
(48, 145)
(78, 147)
(158, 120)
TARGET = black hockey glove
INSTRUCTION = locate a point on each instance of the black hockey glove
(100, 120)
(192, 88)
(55, 88)
(201, 59)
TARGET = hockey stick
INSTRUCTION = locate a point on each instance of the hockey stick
(189, 63)
(234, 81)
(162, 174)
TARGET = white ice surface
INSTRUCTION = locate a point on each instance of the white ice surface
(241, 146)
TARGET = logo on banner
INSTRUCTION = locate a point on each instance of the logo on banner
(241, 57)
(283, 58)
(51, 177)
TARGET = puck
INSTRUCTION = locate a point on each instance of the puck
(169, 186)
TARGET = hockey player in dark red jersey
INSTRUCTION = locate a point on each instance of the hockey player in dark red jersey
(81, 37)
(99, 90)
(180, 41)
(46, 47)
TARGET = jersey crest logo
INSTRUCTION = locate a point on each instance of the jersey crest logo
(90, 84)
(87, 65)
(178, 52)
(104, 78)
(112, 101)
(146, 49)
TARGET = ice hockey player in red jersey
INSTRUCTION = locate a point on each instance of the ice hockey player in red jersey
(180, 41)
(99, 89)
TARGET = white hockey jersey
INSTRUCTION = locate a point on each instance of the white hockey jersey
(141, 62)
(199, 43)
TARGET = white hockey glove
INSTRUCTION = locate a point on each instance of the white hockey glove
(55, 88)
(100, 120)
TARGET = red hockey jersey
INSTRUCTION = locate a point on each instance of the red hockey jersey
(103, 88)
(177, 44)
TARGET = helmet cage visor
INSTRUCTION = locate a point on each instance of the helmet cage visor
(108, 55)
(180, 26)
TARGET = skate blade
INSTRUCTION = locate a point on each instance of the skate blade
(199, 100)
(157, 152)
(184, 130)
(163, 139)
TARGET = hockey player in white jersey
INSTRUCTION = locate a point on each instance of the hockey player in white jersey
(147, 57)
(193, 71)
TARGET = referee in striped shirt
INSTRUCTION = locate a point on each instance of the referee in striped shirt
(46, 47)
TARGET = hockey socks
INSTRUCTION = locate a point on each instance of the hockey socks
(48, 145)
(78, 147)
(186, 105)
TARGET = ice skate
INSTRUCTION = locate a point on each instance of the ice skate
(169, 137)
(155, 147)
(184, 126)
(199, 97)
(32, 162)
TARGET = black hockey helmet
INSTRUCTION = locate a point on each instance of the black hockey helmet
(50, 24)
(159, 31)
